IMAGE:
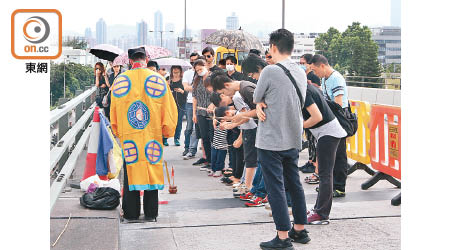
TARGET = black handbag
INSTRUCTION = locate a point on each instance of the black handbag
(347, 119)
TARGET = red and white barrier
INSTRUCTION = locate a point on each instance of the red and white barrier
(91, 158)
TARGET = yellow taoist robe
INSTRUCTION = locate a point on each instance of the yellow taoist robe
(142, 112)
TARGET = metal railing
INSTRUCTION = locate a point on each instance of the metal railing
(392, 81)
(71, 138)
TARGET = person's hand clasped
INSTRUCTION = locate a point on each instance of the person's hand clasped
(237, 143)
(194, 119)
(260, 112)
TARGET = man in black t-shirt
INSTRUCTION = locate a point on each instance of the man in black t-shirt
(208, 53)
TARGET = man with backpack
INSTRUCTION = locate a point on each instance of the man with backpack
(334, 89)
(279, 95)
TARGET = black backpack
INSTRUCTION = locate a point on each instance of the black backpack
(347, 119)
(103, 198)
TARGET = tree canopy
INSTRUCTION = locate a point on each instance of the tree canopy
(352, 52)
(77, 77)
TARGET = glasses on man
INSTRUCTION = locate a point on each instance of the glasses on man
(208, 56)
(269, 57)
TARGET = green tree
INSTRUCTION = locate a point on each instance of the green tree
(324, 42)
(77, 77)
(353, 52)
(75, 43)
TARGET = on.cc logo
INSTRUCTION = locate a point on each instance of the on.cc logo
(36, 29)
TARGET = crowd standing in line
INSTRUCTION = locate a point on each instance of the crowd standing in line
(258, 117)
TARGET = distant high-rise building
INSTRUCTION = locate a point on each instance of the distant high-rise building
(158, 27)
(232, 22)
(170, 42)
(389, 44)
(396, 13)
(142, 30)
(100, 31)
(89, 39)
(88, 33)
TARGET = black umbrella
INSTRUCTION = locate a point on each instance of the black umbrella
(106, 51)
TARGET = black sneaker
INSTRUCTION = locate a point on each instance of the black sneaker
(302, 167)
(206, 167)
(277, 243)
(199, 162)
(299, 236)
(185, 152)
(308, 168)
(150, 218)
(338, 193)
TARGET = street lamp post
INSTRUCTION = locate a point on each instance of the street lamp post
(161, 32)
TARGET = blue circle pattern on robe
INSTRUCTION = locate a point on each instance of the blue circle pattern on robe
(153, 151)
(130, 151)
(138, 115)
(155, 86)
(122, 86)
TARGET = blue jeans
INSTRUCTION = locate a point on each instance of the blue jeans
(217, 159)
(181, 111)
(258, 188)
(190, 138)
(280, 169)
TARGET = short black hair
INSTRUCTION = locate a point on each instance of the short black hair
(193, 54)
(232, 59)
(255, 51)
(307, 57)
(283, 39)
(317, 60)
(252, 64)
(222, 62)
(218, 80)
(153, 64)
(208, 49)
(138, 56)
(220, 112)
(215, 99)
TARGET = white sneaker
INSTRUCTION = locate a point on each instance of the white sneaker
(238, 187)
(217, 174)
(188, 156)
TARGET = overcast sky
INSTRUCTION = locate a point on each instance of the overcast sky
(301, 15)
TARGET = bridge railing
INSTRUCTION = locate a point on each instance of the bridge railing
(71, 138)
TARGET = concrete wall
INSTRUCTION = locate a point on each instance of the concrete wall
(375, 96)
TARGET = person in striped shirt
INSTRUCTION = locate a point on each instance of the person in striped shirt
(219, 148)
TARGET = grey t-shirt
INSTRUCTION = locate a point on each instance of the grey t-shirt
(240, 104)
(283, 127)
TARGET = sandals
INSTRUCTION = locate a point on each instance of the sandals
(313, 179)
(227, 172)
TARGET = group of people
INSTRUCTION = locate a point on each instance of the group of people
(257, 118)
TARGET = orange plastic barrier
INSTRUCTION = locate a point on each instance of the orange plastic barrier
(385, 139)
(359, 144)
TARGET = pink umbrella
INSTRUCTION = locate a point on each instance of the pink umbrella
(153, 52)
